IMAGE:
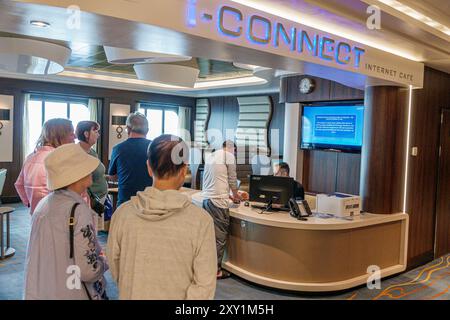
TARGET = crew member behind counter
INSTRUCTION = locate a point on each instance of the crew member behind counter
(282, 170)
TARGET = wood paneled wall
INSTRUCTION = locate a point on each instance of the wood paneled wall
(19, 87)
(319, 171)
(328, 172)
(348, 173)
(427, 104)
(325, 171)
(383, 152)
(443, 192)
(325, 90)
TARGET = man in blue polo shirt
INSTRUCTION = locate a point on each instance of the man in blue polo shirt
(129, 159)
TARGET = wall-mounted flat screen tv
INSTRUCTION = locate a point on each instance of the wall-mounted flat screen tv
(338, 127)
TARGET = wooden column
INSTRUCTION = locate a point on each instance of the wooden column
(383, 152)
(291, 131)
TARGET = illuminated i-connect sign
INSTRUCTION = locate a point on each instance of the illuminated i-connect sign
(231, 22)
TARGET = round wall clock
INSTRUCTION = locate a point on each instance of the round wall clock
(307, 85)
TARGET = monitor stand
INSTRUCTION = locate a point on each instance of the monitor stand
(269, 208)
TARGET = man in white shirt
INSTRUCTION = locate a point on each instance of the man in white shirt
(219, 178)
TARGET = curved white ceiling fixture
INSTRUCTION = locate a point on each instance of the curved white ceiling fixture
(94, 79)
(270, 74)
(245, 66)
(228, 83)
(177, 75)
(263, 72)
(285, 73)
(28, 56)
(129, 56)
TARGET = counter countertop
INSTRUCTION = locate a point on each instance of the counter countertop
(284, 219)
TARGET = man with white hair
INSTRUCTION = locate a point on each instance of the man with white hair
(129, 158)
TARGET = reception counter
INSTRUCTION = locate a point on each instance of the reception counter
(276, 250)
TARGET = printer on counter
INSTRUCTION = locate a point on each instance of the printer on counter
(339, 204)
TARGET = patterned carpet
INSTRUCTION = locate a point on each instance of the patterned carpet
(432, 282)
(428, 282)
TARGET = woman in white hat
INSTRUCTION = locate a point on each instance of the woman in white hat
(64, 259)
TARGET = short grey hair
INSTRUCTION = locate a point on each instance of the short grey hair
(137, 123)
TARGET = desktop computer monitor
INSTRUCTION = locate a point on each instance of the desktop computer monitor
(271, 191)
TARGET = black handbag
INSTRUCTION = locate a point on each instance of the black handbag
(96, 204)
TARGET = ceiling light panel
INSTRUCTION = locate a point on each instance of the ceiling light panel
(397, 5)
(40, 24)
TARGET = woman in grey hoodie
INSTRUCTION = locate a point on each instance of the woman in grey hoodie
(160, 245)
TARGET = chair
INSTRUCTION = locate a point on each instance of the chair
(5, 252)
(261, 165)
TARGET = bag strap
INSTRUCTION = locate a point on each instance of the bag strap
(89, 192)
(87, 291)
(71, 241)
(71, 228)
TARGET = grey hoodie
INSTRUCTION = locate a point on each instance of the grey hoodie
(161, 246)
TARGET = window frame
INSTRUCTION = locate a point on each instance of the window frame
(68, 100)
(159, 106)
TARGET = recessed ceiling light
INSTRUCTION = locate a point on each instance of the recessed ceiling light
(40, 24)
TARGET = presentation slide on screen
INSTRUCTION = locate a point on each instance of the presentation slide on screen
(334, 125)
(330, 126)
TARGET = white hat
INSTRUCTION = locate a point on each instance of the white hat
(68, 164)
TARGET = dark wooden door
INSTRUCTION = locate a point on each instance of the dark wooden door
(443, 194)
